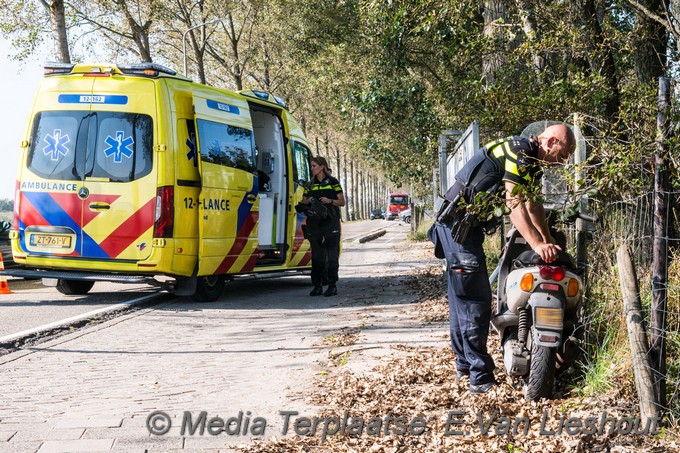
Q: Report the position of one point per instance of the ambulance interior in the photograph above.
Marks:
(269, 145)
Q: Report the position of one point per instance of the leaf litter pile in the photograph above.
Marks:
(413, 403)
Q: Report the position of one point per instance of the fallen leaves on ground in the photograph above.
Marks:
(413, 403)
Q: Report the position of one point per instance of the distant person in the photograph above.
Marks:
(507, 167)
(323, 232)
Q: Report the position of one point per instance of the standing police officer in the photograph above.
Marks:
(324, 234)
(508, 165)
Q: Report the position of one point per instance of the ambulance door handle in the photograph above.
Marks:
(99, 206)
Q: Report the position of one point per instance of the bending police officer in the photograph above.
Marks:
(324, 234)
(508, 165)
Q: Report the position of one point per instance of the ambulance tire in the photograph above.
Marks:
(209, 288)
(74, 287)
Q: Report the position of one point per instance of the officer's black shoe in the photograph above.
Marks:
(317, 291)
(482, 388)
(331, 291)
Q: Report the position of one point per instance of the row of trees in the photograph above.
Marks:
(379, 79)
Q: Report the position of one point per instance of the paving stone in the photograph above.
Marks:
(65, 434)
(148, 444)
(113, 422)
(5, 436)
(72, 446)
(20, 447)
(252, 351)
(28, 433)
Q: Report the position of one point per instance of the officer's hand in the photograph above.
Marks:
(325, 200)
(548, 252)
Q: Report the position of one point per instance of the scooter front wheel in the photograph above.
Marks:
(539, 383)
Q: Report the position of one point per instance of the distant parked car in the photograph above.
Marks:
(405, 215)
(5, 247)
(377, 214)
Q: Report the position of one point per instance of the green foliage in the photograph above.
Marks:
(420, 235)
(600, 368)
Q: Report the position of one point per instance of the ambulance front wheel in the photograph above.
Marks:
(74, 287)
(209, 288)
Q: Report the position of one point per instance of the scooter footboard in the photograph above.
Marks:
(547, 311)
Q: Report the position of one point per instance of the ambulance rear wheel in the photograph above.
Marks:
(74, 287)
(209, 288)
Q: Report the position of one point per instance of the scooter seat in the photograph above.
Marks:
(531, 258)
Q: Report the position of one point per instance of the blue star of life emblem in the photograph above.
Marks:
(118, 147)
(191, 143)
(56, 144)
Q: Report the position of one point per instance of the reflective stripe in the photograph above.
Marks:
(315, 187)
(506, 147)
(511, 167)
(498, 152)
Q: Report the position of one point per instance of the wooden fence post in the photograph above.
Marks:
(637, 336)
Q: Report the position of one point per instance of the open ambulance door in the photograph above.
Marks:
(227, 208)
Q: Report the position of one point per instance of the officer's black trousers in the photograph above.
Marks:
(325, 242)
(469, 294)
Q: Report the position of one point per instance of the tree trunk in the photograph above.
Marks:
(345, 189)
(237, 73)
(600, 57)
(353, 190)
(494, 11)
(650, 39)
(140, 32)
(530, 27)
(58, 23)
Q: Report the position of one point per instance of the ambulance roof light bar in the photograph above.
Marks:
(147, 69)
(57, 67)
(265, 97)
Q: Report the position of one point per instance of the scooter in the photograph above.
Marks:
(537, 310)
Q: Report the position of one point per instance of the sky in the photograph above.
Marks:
(19, 82)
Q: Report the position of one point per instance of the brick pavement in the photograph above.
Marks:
(257, 349)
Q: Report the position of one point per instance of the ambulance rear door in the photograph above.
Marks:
(227, 205)
(89, 186)
(119, 187)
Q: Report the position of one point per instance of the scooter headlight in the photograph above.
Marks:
(548, 317)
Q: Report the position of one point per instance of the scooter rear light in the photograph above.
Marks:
(572, 288)
(556, 273)
(527, 282)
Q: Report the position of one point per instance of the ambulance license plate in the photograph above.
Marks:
(50, 240)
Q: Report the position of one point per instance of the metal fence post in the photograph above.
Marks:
(660, 244)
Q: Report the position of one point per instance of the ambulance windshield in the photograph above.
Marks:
(75, 145)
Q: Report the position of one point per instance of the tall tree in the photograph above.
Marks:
(126, 23)
(27, 23)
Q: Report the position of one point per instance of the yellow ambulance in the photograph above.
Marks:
(132, 172)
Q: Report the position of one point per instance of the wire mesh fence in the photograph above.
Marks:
(630, 222)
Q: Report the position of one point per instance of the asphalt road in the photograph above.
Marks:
(32, 305)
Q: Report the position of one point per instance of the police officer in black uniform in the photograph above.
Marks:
(507, 165)
(324, 234)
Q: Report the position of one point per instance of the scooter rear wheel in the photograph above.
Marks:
(539, 383)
